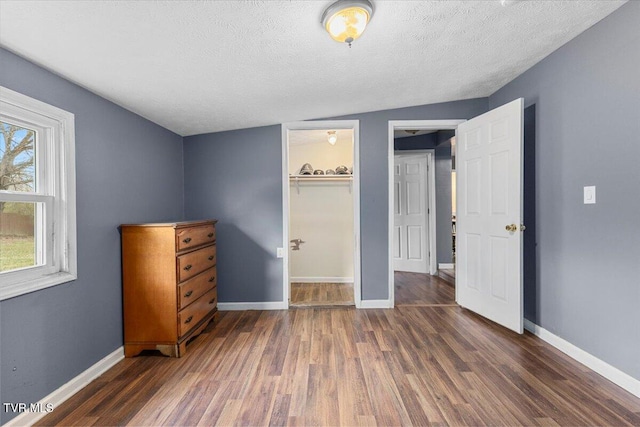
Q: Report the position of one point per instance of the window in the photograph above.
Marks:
(37, 195)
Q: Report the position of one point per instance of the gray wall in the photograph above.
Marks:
(236, 177)
(587, 97)
(529, 251)
(128, 170)
(418, 142)
(444, 244)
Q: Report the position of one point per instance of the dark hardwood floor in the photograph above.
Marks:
(418, 289)
(448, 275)
(340, 366)
(321, 294)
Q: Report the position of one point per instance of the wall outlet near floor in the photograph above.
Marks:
(280, 252)
(590, 195)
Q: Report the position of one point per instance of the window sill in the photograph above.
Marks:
(28, 286)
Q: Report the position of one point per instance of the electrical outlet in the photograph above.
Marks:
(280, 252)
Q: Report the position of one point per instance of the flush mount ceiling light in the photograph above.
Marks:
(345, 20)
(412, 131)
(332, 137)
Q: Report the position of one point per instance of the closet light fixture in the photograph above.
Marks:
(332, 137)
(345, 20)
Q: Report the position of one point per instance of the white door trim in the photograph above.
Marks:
(313, 125)
(430, 202)
(400, 125)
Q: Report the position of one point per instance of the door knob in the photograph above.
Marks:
(511, 227)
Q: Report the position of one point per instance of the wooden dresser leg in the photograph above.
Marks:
(132, 350)
(181, 348)
(170, 350)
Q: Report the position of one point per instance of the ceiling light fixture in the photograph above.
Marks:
(412, 131)
(332, 137)
(345, 20)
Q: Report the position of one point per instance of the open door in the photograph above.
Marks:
(489, 215)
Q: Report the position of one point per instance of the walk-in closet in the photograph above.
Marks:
(321, 219)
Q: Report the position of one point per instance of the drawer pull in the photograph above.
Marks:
(188, 294)
(210, 235)
(212, 301)
(187, 240)
(213, 279)
(211, 257)
(188, 267)
(189, 319)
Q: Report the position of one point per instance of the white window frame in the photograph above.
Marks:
(56, 192)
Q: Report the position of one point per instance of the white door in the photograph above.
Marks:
(489, 217)
(410, 237)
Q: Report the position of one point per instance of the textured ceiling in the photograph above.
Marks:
(205, 66)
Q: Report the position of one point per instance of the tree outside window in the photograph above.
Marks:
(17, 219)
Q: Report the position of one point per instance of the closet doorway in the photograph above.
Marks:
(321, 214)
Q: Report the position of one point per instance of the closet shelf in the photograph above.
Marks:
(320, 177)
(297, 179)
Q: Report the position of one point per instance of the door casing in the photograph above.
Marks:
(404, 125)
(353, 125)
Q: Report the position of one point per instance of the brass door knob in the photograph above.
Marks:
(511, 227)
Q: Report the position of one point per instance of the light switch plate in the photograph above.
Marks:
(280, 252)
(590, 195)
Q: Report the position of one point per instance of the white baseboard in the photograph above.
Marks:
(321, 279)
(376, 303)
(57, 397)
(611, 373)
(241, 306)
(445, 266)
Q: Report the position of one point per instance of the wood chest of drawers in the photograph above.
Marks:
(169, 284)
